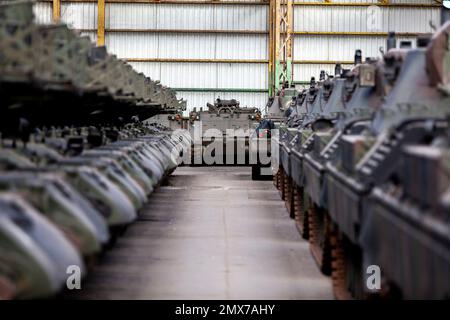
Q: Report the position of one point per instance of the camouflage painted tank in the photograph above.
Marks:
(230, 125)
(35, 254)
(409, 204)
(412, 112)
(72, 178)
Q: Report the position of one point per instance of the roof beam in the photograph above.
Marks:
(101, 22)
(256, 32)
(252, 61)
(263, 3)
(56, 11)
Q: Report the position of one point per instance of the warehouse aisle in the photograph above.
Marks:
(212, 233)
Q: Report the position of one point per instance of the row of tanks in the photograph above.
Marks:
(364, 166)
(71, 79)
(76, 162)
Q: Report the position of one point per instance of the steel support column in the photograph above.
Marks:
(101, 23)
(271, 65)
(56, 11)
(282, 26)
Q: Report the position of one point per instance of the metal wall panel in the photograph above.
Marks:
(304, 72)
(189, 75)
(43, 12)
(343, 49)
(347, 19)
(413, 19)
(212, 46)
(132, 45)
(130, 16)
(337, 48)
(351, 19)
(92, 35)
(243, 76)
(232, 46)
(311, 48)
(206, 75)
(191, 16)
(312, 18)
(212, 17)
(241, 17)
(150, 69)
(186, 16)
(357, 19)
(79, 15)
(187, 46)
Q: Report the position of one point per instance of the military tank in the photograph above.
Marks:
(368, 159)
(311, 104)
(72, 179)
(174, 121)
(35, 254)
(409, 204)
(221, 133)
(357, 171)
(265, 139)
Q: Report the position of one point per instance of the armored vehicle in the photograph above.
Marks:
(72, 179)
(264, 140)
(221, 133)
(360, 181)
(174, 121)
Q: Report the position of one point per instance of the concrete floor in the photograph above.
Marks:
(212, 233)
